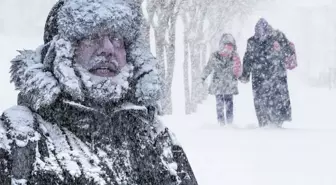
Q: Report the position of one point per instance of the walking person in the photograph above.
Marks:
(226, 68)
(268, 56)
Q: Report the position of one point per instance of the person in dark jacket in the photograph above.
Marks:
(268, 55)
(226, 68)
(86, 105)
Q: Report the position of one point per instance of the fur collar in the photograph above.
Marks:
(43, 79)
(32, 79)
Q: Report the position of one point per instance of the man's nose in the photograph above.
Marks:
(106, 47)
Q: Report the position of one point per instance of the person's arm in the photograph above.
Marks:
(291, 61)
(208, 68)
(289, 51)
(285, 44)
(237, 68)
(247, 62)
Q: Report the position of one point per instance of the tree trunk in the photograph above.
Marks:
(198, 72)
(204, 60)
(168, 106)
(187, 101)
(195, 75)
(147, 32)
(160, 52)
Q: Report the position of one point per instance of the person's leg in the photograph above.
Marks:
(261, 111)
(279, 124)
(277, 107)
(228, 99)
(220, 108)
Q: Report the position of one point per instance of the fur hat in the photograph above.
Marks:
(77, 19)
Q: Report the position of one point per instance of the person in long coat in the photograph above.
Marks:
(268, 56)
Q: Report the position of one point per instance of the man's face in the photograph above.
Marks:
(102, 56)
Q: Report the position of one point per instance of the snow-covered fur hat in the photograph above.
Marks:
(42, 75)
(77, 19)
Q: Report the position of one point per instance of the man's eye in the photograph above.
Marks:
(87, 42)
(117, 42)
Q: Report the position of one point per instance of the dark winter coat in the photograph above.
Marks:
(57, 135)
(69, 142)
(224, 79)
(265, 61)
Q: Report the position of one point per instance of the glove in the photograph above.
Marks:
(243, 80)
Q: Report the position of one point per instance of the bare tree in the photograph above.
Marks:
(198, 39)
(162, 16)
(193, 16)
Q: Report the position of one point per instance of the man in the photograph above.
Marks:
(267, 57)
(85, 106)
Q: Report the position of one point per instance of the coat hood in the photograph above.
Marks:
(263, 29)
(227, 39)
(47, 73)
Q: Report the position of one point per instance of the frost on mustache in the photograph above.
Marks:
(104, 89)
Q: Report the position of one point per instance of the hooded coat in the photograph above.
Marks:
(225, 70)
(265, 61)
(57, 135)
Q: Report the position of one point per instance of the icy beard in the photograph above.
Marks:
(105, 89)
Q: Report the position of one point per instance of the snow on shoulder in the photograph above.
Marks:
(21, 125)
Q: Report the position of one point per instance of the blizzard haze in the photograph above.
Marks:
(303, 153)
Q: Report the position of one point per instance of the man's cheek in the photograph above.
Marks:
(86, 56)
(121, 56)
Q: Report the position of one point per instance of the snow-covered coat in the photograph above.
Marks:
(225, 69)
(69, 143)
(265, 60)
(57, 135)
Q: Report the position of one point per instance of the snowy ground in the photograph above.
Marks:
(301, 154)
